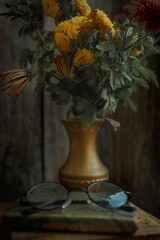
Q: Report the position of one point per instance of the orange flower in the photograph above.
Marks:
(50, 7)
(84, 24)
(65, 32)
(102, 22)
(83, 57)
(15, 77)
(82, 7)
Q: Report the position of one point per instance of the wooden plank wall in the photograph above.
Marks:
(20, 124)
(34, 144)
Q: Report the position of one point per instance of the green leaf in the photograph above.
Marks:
(87, 118)
(129, 31)
(136, 66)
(87, 110)
(111, 103)
(131, 104)
(92, 82)
(27, 56)
(105, 66)
(39, 52)
(65, 9)
(104, 46)
(152, 76)
(104, 94)
(116, 80)
(97, 54)
(133, 41)
(127, 76)
(141, 81)
(90, 73)
(112, 52)
(151, 49)
(157, 47)
(112, 81)
(57, 93)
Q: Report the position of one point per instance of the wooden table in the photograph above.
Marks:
(148, 229)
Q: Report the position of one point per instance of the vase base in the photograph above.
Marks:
(70, 183)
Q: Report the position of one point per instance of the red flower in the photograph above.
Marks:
(149, 11)
(129, 8)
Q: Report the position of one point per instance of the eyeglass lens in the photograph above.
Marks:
(47, 196)
(107, 194)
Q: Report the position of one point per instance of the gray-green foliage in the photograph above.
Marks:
(32, 14)
(93, 90)
(111, 80)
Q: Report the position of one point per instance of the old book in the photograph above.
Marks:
(79, 216)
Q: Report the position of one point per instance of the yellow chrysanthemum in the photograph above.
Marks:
(64, 33)
(83, 57)
(82, 7)
(101, 21)
(50, 7)
(84, 23)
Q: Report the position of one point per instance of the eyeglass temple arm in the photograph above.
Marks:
(128, 208)
(69, 200)
(33, 210)
(128, 194)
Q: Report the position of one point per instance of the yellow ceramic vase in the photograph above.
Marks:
(83, 165)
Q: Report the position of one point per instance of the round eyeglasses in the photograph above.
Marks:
(49, 196)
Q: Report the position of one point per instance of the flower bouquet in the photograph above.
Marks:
(87, 62)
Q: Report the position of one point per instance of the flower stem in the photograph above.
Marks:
(136, 42)
(40, 35)
(158, 38)
(133, 34)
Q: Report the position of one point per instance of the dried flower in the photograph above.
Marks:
(62, 68)
(64, 33)
(89, 46)
(83, 57)
(15, 77)
(149, 11)
(82, 7)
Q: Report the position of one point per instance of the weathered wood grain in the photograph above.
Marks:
(30, 133)
(132, 154)
(20, 124)
(56, 144)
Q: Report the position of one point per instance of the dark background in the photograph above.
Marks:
(34, 144)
